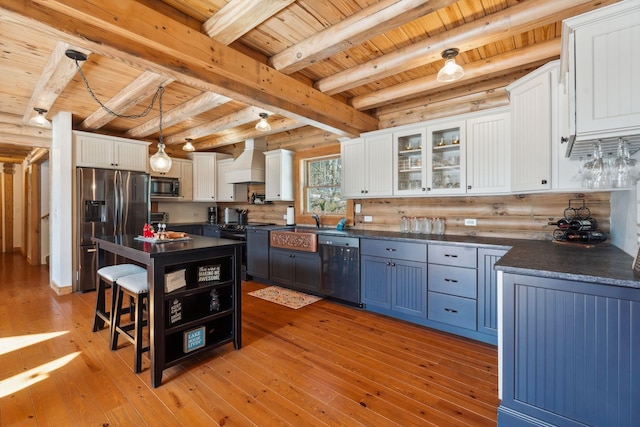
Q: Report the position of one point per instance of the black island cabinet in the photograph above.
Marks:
(194, 294)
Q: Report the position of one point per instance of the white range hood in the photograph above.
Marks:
(249, 166)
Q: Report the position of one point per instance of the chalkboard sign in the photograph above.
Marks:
(636, 264)
(208, 273)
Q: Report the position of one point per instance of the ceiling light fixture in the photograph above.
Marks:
(39, 119)
(451, 71)
(263, 125)
(188, 146)
(160, 162)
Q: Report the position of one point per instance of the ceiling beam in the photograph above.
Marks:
(517, 19)
(193, 107)
(282, 124)
(372, 21)
(238, 17)
(56, 74)
(496, 64)
(169, 48)
(144, 86)
(244, 116)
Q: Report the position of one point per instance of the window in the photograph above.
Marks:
(322, 188)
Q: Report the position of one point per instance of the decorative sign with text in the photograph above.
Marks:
(208, 273)
(175, 311)
(194, 339)
(174, 280)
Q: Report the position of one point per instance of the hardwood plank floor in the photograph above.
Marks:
(322, 365)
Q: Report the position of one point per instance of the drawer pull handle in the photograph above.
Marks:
(391, 249)
(451, 256)
(450, 310)
(451, 280)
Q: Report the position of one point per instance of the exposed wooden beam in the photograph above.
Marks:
(277, 125)
(26, 131)
(521, 17)
(496, 64)
(57, 73)
(247, 115)
(201, 103)
(238, 17)
(374, 20)
(169, 48)
(144, 86)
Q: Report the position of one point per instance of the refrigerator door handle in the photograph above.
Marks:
(116, 203)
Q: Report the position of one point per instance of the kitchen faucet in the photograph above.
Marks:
(317, 218)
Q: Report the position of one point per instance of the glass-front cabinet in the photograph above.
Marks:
(409, 157)
(446, 158)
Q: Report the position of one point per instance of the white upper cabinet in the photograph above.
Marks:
(205, 175)
(446, 159)
(103, 151)
(367, 166)
(601, 59)
(278, 175)
(488, 154)
(532, 119)
(409, 156)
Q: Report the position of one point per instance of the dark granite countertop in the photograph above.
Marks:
(605, 264)
(151, 250)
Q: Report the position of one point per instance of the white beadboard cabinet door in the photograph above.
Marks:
(353, 169)
(204, 177)
(488, 154)
(607, 66)
(379, 165)
(531, 131)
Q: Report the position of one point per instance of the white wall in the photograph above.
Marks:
(61, 205)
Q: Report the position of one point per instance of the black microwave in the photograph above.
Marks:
(165, 187)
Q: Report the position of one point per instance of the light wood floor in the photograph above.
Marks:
(322, 365)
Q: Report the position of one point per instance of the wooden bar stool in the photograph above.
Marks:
(107, 278)
(136, 287)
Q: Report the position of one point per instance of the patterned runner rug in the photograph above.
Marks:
(286, 297)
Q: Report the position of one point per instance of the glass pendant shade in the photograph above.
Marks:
(160, 162)
(263, 124)
(188, 146)
(450, 72)
(40, 119)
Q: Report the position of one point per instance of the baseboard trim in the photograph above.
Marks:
(60, 290)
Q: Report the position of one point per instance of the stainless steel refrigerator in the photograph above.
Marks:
(109, 202)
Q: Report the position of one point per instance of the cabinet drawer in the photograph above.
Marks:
(459, 256)
(392, 249)
(453, 280)
(456, 311)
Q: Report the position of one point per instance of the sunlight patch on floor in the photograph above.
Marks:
(32, 376)
(10, 344)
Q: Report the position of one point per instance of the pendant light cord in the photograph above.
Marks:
(123, 116)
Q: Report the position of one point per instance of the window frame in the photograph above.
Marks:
(299, 159)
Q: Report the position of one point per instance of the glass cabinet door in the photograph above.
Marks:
(446, 170)
(409, 160)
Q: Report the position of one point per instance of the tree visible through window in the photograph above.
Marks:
(323, 191)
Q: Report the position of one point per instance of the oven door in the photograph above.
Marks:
(233, 235)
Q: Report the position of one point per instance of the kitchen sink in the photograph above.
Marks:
(305, 240)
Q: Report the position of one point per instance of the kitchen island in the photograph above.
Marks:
(202, 309)
(570, 337)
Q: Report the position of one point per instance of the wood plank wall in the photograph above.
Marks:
(522, 216)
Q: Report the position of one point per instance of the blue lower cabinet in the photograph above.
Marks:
(452, 310)
(571, 353)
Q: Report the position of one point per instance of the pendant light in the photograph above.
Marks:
(40, 119)
(188, 146)
(451, 71)
(160, 162)
(263, 125)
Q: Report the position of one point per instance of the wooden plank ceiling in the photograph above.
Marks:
(332, 65)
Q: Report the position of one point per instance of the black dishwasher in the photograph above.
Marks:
(340, 277)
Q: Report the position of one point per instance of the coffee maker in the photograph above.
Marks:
(212, 214)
